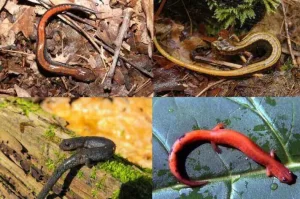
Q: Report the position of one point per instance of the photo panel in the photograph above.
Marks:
(226, 48)
(220, 147)
(76, 148)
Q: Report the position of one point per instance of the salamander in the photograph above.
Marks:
(79, 73)
(219, 135)
(90, 150)
(268, 40)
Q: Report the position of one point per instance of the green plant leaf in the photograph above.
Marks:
(273, 123)
(230, 15)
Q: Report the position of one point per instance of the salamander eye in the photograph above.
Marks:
(67, 143)
(290, 172)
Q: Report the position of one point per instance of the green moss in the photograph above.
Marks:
(93, 173)
(50, 134)
(94, 193)
(100, 184)
(52, 164)
(116, 194)
(4, 104)
(287, 65)
(136, 183)
(122, 169)
(71, 193)
(80, 174)
(26, 105)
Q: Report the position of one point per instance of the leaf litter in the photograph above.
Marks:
(21, 75)
(172, 27)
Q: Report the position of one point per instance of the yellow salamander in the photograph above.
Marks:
(267, 40)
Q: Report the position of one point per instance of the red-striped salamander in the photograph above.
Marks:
(90, 150)
(79, 73)
(219, 135)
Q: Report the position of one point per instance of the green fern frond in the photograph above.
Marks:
(239, 14)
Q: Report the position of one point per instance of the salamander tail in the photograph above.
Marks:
(193, 183)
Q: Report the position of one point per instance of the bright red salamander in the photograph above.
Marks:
(219, 135)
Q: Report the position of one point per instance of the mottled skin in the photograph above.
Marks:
(219, 135)
(90, 150)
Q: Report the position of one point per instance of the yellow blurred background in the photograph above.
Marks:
(126, 121)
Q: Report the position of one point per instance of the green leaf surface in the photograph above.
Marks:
(272, 123)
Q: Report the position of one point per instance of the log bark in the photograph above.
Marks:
(29, 153)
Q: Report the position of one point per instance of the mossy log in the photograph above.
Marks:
(29, 154)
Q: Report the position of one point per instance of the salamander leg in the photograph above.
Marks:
(89, 163)
(273, 153)
(269, 174)
(249, 56)
(220, 38)
(219, 126)
(215, 147)
(235, 38)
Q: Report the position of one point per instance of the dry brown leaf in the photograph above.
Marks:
(56, 2)
(61, 58)
(9, 39)
(5, 27)
(21, 92)
(34, 67)
(148, 9)
(92, 62)
(24, 22)
(132, 3)
(107, 12)
(40, 10)
(12, 7)
(2, 4)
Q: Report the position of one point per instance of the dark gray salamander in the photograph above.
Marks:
(91, 150)
(85, 142)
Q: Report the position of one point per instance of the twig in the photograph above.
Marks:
(131, 91)
(288, 35)
(161, 6)
(190, 19)
(8, 91)
(109, 49)
(210, 85)
(217, 62)
(146, 83)
(286, 51)
(18, 52)
(64, 82)
(123, 29)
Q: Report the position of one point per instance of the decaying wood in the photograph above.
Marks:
(25, 145)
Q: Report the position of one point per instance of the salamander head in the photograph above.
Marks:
(70, 144)
(283, 174)
(222, 45)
